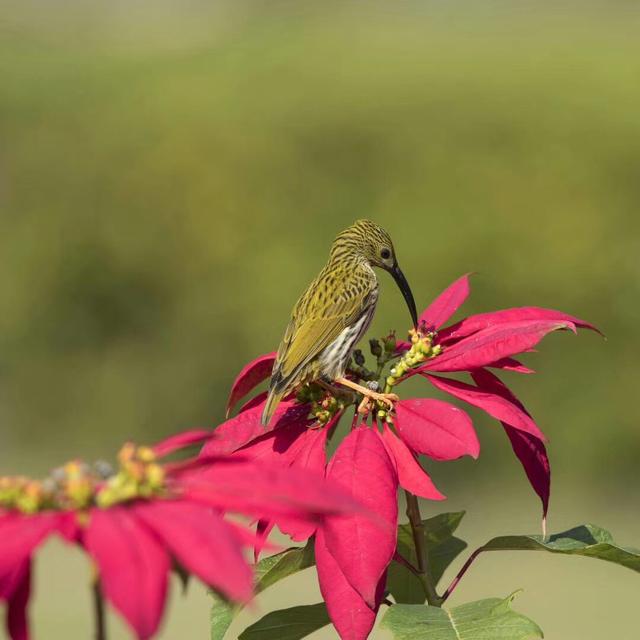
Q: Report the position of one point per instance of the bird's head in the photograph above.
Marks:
(367, 240)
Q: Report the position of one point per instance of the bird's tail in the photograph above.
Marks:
(273, 400)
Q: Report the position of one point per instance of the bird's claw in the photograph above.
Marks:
(374, 396)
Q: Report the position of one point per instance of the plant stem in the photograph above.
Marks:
(100, 623)
(400, 559)
(465, 566)
(417, 529)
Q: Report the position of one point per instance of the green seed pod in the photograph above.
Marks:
(390, 343)
(358, 357)
(376, 347)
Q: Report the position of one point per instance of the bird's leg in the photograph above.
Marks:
(336, 391)
(363, 407)
(369, 394)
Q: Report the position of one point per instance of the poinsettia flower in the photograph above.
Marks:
(371, 465)
(374, 461)
(473, 345)
(149, 516)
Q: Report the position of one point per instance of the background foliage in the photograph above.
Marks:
(172, 174)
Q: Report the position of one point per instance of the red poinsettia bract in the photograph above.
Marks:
(139, 522)
(372, 462)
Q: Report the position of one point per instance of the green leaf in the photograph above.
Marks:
(274, 568)
(222, 614)
(490, 619)
(441, 527)
(585, 540)
(403, 585)
(288, 624)
(267, 572)
(442, 548)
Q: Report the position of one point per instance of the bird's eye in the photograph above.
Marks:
(385, 254)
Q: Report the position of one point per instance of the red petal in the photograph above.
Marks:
(481, 321)
(267, 490)
(263, 529)
(180, 441)
(361, 547)
(68, 527)
(446, 304)
(10, 579)
(312, 454)
(254, 402)
(250, 376)
(133, 567)
(20, 535)
(248, 538)
(298, 530)
(350, 614)
(510, 364)
(495, 405)
(411, 475)
(529, 450)
(246, 426)
(17, 622)
(437, 429)
(300, 447)
(493, 343)
(533, 456)
(274, 446)
(202, 543)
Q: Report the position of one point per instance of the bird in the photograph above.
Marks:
(333, 314)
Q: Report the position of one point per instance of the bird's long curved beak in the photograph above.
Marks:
(403, 285)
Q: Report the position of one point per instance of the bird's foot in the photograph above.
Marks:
(372, 397)
(337, 392)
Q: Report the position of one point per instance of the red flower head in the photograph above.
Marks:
(372, 462)
(137, 523)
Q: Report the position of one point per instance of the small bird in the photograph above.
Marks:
(333, 314)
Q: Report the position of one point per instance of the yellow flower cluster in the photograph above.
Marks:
(21, 493)
(422, 348)
(139, 476)
(323, 405)
(76, 486)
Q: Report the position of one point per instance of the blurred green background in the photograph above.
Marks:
(173, 173)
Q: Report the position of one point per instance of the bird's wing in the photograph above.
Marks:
(313, 327)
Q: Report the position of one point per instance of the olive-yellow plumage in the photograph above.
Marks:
(334, 312)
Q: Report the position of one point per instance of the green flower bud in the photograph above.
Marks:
(155, 476)
(303, 394)
(376, 347)
(390, 343)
